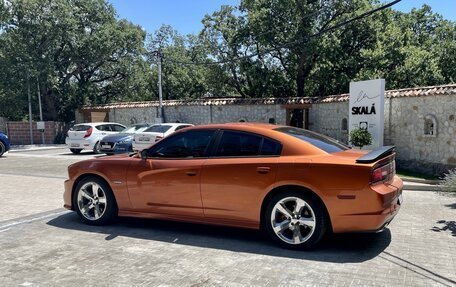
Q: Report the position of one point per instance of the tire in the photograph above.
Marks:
(291, 228)
(94, 201)
(75, 151)
(2, 148)
(96, 148)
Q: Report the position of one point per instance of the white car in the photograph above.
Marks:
(87, 136)
(155, 133)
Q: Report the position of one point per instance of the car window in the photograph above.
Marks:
(182, 127)
(80, 128)
(158, 129)
(322, 142)
(270, 147)
(104, 128)
(134, 129)
(238, 144)
(116, 128)
(191, 144)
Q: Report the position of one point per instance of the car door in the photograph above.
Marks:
(235, 178)
(168, 180)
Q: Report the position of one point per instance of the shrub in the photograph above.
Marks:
(449, 181)
(360, 137)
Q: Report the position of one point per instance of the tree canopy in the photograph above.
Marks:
(78, 52)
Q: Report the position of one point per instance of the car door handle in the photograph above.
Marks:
(263, 169)
(191, 173)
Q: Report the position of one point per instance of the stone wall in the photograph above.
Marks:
(326, 118)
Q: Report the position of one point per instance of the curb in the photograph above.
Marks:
(422, 187)
(419, 180)
(34, 148)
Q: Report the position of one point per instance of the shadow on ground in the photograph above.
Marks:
(337, 248)
(445, 226)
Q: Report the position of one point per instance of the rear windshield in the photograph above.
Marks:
(158, 129)
(134, 129)
(322, 142)
(80, 128)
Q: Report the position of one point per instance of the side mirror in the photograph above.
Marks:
(144, 153)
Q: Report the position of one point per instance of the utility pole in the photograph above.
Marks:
(30, 108)
(160, 94)
(41, 110)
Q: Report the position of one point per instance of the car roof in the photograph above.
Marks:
(172, 124)
(239, 126)
(98, 123)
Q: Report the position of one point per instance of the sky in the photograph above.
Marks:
(185, 15)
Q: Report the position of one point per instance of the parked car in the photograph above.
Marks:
(294, 183)
(155, 133)
(87, 136)
(4, 144)
(121, 142)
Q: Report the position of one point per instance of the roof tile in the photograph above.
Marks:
(409, 92)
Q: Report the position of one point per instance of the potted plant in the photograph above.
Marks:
(360, 137)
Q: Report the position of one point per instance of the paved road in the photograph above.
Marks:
(43, 245)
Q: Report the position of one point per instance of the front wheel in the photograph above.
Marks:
(295, 220)
(94, 201)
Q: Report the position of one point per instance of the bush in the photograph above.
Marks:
(449, 181)
(360, 137)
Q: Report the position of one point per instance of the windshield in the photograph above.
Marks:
(158, 129)
(322, 142)
(134, 129)
(79, 128)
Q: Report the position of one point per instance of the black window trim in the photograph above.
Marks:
(206, 156)
(219, 137)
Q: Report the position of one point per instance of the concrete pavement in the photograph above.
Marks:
(43, 245)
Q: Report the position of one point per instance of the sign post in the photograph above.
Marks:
(367, 101)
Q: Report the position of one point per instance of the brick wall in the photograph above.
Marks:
(19, 132)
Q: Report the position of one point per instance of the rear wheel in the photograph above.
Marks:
(2, 148)
(96, 148)
(75, 151)
(94, 201)
(295, 220)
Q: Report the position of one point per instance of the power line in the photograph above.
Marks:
(266, 51)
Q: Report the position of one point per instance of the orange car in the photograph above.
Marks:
(294, 183)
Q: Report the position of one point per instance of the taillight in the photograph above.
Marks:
(88, 133)
(158, 138)
(383, 173)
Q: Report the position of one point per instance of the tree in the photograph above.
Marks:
(77, 50)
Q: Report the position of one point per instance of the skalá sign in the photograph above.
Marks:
(367, 100)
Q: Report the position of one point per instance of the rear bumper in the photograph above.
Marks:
(378, 209)
(140, 146)
(79, 144)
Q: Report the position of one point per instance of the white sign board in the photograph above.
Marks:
(367, 104)
(40, 125)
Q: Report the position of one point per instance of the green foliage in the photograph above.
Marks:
(360, 137)
(76, 50)
(80, 53)
(449, 181)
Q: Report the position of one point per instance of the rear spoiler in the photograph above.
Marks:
(377, 154)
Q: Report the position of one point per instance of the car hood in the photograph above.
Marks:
(117, 137)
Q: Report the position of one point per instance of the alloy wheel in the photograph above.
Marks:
(92, 201)
(293, 220)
